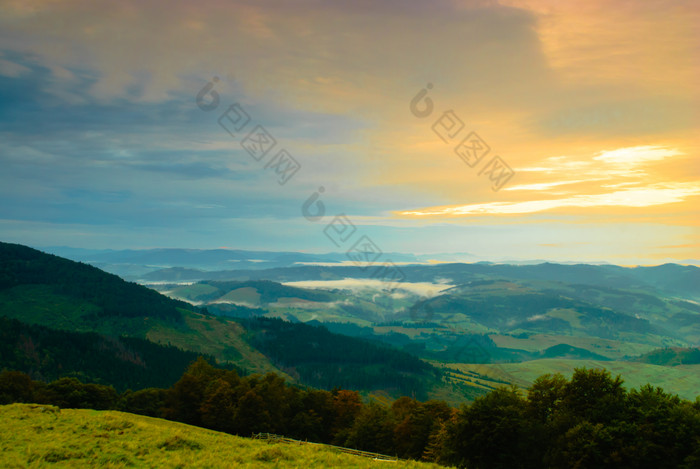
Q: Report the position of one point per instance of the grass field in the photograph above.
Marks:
(44, 436)
(196, 292)
(682, 380)
(247, 296)
(614, 349)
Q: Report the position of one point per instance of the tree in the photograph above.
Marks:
(307, 425)
(372, 430)
(346, 406)
(586, 445)
(15, 386)
(438, 449)
(218, 408)
(149, 401)
(545, 396)
(493, 432)
(594, 395)
(278, 401)
(319, 406)
(71, 393)
(666, 428)
(187, 395)
(415, 423)
(251, 415)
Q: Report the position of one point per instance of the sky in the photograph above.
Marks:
(513, 129)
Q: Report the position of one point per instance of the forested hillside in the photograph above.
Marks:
(123, 362)
(326, 360)
(24, 267)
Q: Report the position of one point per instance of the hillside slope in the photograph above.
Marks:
(24, 267)
(44, 436)
(43, 289)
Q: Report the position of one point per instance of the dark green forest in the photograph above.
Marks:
(588, 421)
(124, 362)
(322, 359)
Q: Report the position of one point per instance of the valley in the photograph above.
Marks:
(499, 323)
(523, 327)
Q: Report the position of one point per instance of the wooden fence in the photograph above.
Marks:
(272, 438)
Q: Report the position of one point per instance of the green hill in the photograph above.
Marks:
(672, 356)
(108, 295)
(270, 292)
(43, 289)
(564, 351)
(44, 436)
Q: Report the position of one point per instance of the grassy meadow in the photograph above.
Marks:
(45, 436)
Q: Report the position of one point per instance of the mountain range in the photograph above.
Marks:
(452, 330)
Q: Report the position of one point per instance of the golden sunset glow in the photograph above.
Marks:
(602, 170)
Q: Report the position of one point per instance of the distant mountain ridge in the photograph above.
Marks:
(135, 262)
(169, 265)
(669, 279)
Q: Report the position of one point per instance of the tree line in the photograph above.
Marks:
(588, 421)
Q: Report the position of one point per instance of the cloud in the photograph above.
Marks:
(636, 155)
(424, 289)
(628, 162)
(544, 185)
(658, 194)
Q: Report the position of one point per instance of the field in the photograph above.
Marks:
(44, 436)
(614, 349)
(682, 380)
